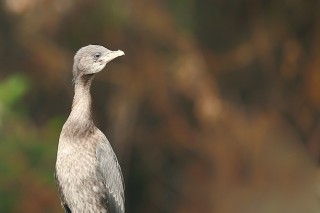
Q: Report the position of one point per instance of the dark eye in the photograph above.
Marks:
(97, 55)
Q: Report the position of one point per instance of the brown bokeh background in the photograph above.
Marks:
(214, 108)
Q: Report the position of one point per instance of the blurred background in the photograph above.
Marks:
(214, 108)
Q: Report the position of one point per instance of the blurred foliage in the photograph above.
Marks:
(214, 108)
(12, 89)
(27, 152)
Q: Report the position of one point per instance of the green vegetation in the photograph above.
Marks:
(27, 151)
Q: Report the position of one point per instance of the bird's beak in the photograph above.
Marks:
(112, 55)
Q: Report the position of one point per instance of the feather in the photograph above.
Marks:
(110, 174)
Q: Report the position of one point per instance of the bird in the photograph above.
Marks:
(87, 172)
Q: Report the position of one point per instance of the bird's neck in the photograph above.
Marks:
(81, 104)
(80, 120)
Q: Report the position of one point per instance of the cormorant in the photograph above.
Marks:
(87, 172)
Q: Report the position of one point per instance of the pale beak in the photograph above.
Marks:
(112, 55)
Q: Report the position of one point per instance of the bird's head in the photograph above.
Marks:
(92, 59)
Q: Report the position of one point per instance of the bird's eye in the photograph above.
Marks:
(97, 55)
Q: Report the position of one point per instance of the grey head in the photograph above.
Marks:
(92, 59)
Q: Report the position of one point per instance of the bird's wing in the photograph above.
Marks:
(110, 172)
(62, 199)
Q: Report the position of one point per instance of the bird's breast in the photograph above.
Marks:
(76, 171)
